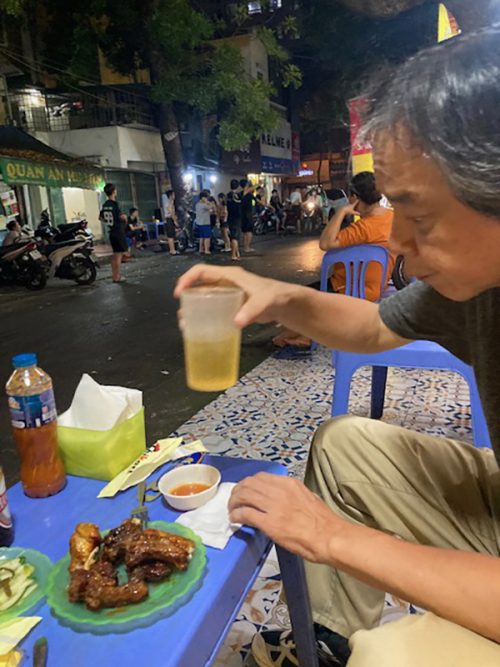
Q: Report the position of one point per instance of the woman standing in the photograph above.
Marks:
(170, 220)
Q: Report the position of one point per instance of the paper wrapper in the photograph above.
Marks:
(11, 633)
(160, 453)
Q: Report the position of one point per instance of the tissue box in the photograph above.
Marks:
(102, 454)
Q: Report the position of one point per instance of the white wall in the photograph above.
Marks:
(110, 146)
(141, 146)
(78, 201)
(93, 144)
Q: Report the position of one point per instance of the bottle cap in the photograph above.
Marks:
(24, 360)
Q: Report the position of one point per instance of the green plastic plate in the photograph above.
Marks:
(43, 566)
(164, 598)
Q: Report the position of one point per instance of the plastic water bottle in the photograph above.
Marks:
(34, 425)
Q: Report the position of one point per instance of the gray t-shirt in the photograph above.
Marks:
(468, 329)
(203, 211)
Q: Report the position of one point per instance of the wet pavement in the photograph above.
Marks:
(127, 334)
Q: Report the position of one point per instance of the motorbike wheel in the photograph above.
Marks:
(36, 278)
(398, 275)
(182, 243)
(85, 271)
(259, 228)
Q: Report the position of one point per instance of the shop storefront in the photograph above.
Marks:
(280, 155)
(34, 177)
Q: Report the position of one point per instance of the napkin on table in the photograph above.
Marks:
(11, 633)
(211, 521)
(99, 407)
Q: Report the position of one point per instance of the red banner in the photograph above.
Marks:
(357, 107)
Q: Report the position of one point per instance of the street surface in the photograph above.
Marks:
(127, 334)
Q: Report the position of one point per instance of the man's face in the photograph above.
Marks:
(446, 244)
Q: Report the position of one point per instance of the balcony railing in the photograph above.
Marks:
(37, 111)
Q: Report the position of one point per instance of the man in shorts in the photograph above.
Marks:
(117, 223)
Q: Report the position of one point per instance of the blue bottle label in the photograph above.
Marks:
(32, 411)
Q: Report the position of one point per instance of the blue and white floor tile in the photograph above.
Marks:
(273, 413)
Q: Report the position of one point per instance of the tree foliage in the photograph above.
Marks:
(183, 50)
(12, 7)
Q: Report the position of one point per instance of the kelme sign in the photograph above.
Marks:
(24, 172)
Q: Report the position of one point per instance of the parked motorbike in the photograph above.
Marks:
(71, 260)
(68, 231)
(23, 264)
(185, 234)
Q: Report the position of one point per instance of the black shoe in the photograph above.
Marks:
(276, 648)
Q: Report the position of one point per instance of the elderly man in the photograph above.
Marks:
(383, 508)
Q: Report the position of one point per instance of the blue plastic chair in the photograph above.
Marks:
(356, 260)
(418, 354)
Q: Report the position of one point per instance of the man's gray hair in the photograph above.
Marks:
(448, 97)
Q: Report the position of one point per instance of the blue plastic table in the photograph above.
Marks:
(192, 636)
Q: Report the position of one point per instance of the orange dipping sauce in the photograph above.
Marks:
(189, 489)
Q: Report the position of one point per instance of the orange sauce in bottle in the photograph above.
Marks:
(34, 427)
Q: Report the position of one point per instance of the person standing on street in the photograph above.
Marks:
(203, 213)
(222, 218)
(170, 215)
(247, 210)
(117, 223)
(234, 219)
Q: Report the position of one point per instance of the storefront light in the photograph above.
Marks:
(213, 179)
(188, 177)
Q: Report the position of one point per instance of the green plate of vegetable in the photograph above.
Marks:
(23, 580)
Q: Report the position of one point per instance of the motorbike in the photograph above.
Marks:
(23, 264)
(266, 221)
(185, 233)
(68, 231)
(312, 216)
(70, 260)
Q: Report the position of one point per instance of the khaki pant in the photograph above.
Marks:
(424, 489)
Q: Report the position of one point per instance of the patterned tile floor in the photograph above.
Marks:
(273, 412)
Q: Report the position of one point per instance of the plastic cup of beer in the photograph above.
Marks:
(212, 342)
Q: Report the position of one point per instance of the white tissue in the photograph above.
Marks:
(98, 407)
(211, 521)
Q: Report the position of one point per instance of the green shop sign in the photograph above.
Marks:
(59, 175)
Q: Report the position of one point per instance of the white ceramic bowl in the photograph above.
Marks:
(198, 473)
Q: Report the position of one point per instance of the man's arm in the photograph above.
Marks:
(340, 322)
(452, 584)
